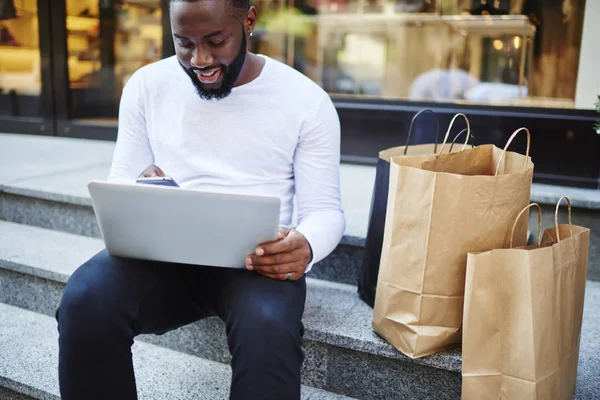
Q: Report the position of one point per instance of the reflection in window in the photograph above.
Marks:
(20, 69)
(355, 63)
(107, 42)
(514, 52)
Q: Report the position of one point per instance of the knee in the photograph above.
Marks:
(78, 313)
(78, 301)
(270, 320)
(84, 311)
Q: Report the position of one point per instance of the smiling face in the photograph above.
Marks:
(210, 42)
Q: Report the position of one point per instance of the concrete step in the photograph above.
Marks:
(343, 355)
(7, 394)
(29, 356)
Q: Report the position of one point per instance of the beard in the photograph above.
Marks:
(230, 75)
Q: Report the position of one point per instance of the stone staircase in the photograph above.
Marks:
(47, 229)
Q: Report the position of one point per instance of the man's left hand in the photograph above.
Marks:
(291, 253)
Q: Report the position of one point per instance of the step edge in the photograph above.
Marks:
(45, 195)
(447, 360)
(26, 389)
(584, 198)
(34, 272)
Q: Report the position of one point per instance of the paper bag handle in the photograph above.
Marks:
(450, 128)
(509, 142)
(556, 216)
(412, 123)
(456, 138)
(512, 234)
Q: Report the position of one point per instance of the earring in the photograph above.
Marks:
(251, 33)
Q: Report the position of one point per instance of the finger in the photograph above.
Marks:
(294, 276)
(147, 173)
(281, 235)
(152, 171)
(158, 171)
(275, 259)
(272, 276)
(284, 231)
(279, 268)
(287, 244)
(283, 277)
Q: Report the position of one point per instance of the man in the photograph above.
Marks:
(218, 118)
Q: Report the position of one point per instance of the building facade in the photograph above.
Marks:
(504, 63)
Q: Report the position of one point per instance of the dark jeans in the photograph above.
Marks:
(110, 300)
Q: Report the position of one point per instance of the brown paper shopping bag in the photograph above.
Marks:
(439, 209)
(369, 268)
(522, 318)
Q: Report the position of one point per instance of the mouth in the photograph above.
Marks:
(208, 76)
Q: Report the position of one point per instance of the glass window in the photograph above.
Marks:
(500, 52)
(20, 68)
(107, 42)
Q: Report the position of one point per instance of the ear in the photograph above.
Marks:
(250, 21)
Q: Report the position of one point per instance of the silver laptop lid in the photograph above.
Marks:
(182, 226)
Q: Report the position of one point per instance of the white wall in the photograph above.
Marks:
(588, 78)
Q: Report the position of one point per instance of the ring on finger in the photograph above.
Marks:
(288, 277)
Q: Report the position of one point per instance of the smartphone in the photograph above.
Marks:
(158, 180)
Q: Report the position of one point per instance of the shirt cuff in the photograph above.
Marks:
(323, 231)
(312, 251)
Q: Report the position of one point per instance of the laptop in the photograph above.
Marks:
(170, 224)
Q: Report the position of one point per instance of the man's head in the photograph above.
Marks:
(210, 42)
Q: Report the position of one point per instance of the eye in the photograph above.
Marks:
(219, 44)
(185, 45)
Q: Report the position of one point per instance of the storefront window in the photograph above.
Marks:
(108, 40)
(20, 68)
(499, 52)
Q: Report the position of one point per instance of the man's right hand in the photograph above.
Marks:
(151, 172)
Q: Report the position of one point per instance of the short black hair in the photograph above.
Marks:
(240, 6)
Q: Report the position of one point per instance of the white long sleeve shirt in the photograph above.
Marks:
(278, 135)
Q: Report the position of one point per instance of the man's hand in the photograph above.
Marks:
(151, 172)
(290, 253)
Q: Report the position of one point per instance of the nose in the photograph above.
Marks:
(202, 57)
